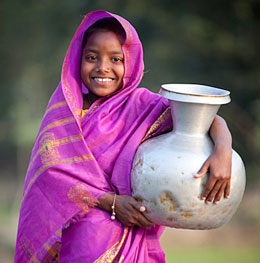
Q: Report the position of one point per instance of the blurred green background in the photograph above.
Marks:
(208, 42)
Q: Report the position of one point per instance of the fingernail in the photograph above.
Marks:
(207, 202)
(203, 197)
(227, 196)
(195, 175)
(142, 209)
(216, 202)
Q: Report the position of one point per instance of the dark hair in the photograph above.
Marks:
(109, 24)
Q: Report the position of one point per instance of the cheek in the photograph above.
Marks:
(84, 71)
(121, 72)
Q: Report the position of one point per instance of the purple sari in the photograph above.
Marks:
(76, 160)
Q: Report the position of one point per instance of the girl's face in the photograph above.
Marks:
(102, 64)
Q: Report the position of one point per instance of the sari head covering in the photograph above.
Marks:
(75, 160)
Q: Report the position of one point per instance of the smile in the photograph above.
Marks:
(103, 79)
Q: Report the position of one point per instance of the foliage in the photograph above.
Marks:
(213, 255)
(209, 42)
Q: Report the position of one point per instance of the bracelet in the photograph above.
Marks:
(113, 216)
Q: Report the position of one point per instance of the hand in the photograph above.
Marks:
(219, 166)
(129, 212)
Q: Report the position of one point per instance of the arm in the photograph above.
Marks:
(128, 210)
(218, 164)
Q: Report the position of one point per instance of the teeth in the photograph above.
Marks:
(102, 79)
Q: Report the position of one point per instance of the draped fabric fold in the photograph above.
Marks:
(75, 160)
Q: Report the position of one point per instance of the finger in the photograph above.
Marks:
(203, 170)
(137, 217)
(220, 193)
(134, 220)
(141, 219)
(227, 189)
(137, 205)
(144, 222)
(209, 186)
(213, 192)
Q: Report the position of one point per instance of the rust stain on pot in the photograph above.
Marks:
(153, 202)
(147, 181)
(187, 214)
(152, 168)
(166, 198)
(203, 212)
(224, 211)
(171, 219)
(140, 162)
(182, 173)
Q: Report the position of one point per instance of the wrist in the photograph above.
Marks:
(105, 202)
(223, 148)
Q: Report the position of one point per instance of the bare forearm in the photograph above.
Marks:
(218, 164)
(220, 133)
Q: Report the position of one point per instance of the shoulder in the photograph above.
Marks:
(147, 97)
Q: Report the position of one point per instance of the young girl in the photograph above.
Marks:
(79, 172)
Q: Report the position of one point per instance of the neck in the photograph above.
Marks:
(89, 99)
(92, 97)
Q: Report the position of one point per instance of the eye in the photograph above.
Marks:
(91, 57)
(117, 59)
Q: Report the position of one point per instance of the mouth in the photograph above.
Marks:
(102, 80)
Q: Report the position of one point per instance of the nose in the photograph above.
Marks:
(103, 66)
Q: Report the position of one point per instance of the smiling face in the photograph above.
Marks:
(102, 64)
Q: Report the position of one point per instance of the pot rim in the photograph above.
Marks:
(195, 93)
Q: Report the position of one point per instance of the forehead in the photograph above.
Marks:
(103, 40)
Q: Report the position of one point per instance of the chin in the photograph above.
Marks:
(105, 93)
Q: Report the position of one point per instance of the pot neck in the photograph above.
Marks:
(192, 119)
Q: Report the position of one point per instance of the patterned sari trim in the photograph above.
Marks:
(110, 255)
(66, 86)
(121, 260)
(48, 143)
(34, 260)
(158, 123)
(57, 123)
(68, 91)
(53, 253)
(27, 246)
(55, 106)
(58, 232)
(91, 110)
(76, 159)
(81, 197)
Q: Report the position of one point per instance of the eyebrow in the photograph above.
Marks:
(115, 52)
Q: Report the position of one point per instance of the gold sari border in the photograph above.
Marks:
(55, 143)
(55, 106)
(110, 255)
(76, 159)
(158, 123)
(57, 123)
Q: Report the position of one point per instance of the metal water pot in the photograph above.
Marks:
(163, 169)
